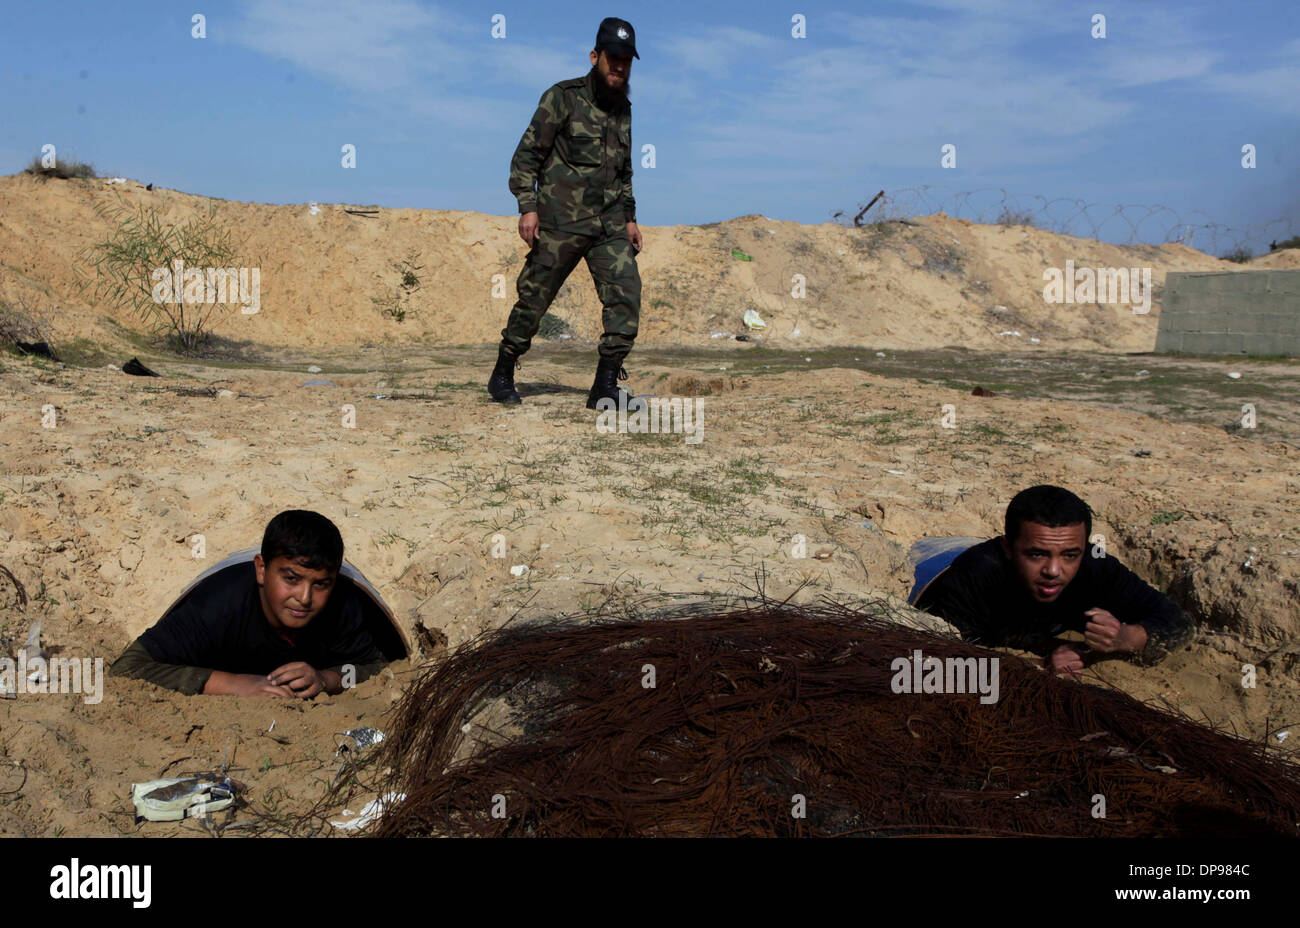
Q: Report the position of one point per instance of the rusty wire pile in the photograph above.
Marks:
(757, 706)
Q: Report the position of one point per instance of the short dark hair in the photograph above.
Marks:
(1046, 505)
(305, 536)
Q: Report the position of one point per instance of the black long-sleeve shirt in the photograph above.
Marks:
(220, 625)
(982, 596)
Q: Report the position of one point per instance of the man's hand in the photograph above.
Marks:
(528, 228)
(304, 680)
(1106, 633)
(221, 683)
(634, 236)
(1065, 659)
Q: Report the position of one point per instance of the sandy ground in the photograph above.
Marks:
(97, 514)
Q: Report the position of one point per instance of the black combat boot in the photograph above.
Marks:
(502, 382)
(608, 372)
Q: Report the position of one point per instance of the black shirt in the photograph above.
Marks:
(220, 625)
(983, 597)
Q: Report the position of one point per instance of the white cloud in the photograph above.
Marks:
(376, 46)
(1154, 69)
(715, 51)
(414, 50)
(1271, 88)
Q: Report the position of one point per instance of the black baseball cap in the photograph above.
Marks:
(616, 36)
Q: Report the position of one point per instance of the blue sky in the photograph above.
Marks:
(744, 117)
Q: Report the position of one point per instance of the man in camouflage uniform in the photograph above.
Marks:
(577, 153)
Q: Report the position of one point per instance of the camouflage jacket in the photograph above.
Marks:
(579, 159)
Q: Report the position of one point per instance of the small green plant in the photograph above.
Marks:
(408, 281)
(128, 263)
(1167, 516)
(552, 326)
(1239, 255)
(1292, 242)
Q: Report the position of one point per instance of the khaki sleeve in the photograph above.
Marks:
(137, 662)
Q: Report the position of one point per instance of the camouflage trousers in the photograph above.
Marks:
(612, 262)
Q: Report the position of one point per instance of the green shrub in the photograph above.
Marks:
(61, 169)
(142, 242)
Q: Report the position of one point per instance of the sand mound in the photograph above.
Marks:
(332, 277)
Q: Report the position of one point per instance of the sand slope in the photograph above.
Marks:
(941, 282)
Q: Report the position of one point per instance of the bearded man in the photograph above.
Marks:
(572, 177)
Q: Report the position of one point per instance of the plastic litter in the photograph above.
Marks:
(313, 369)
(754, 320)
(518, 570)
(319, 383)
(737, 253)
(369, 812)
(358, 739)
(172, 799)
(32, 650)
(1235, 376)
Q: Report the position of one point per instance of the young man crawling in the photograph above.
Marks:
(285, 624)
(1041, 578)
